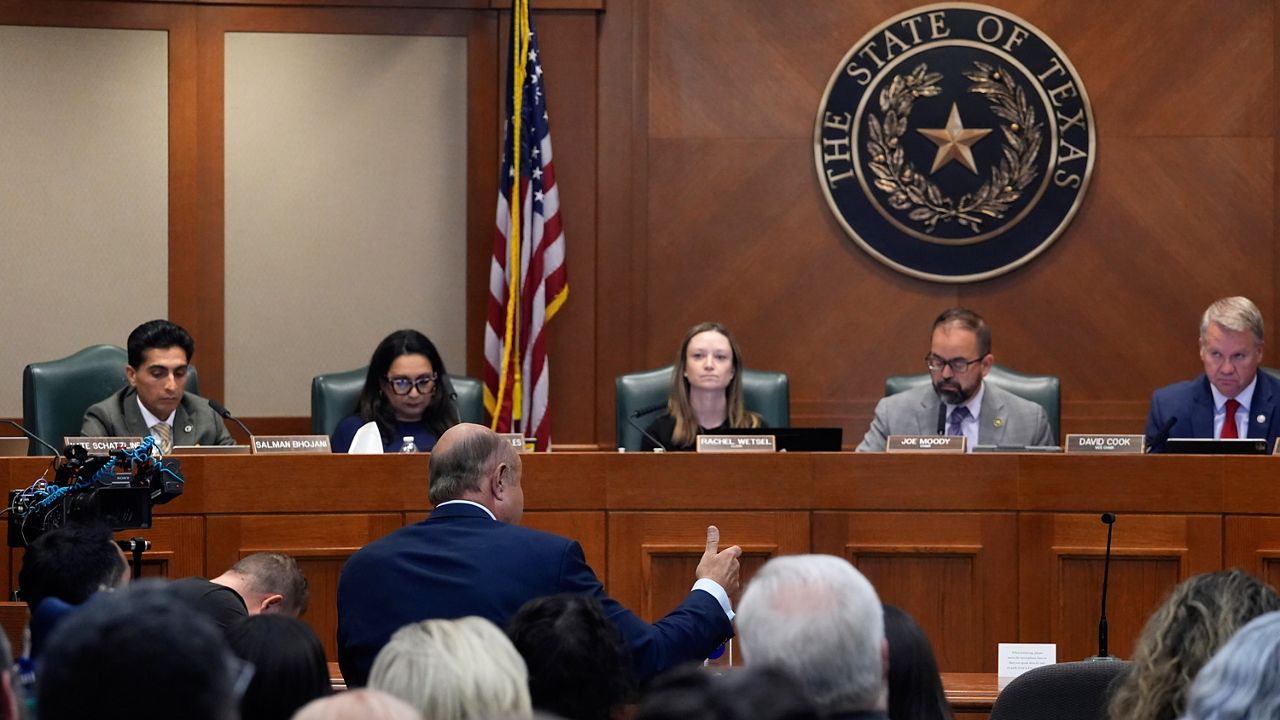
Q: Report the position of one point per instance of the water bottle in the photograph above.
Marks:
(408, 446)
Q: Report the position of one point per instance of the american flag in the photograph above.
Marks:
(528, 252)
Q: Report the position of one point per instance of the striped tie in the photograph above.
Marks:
(164, 436)
(958, 417)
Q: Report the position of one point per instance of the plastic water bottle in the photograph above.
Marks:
(408, 446)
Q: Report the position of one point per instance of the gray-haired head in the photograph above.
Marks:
(1237, 314)
(1242, 681)
(462, 458)
(818, 618)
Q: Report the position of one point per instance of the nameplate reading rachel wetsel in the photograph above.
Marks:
(1113, 444)
(736, 443)
(103, 445)
(290, 443)
(925, 443)
(516, 439)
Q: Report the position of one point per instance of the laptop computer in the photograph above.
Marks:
(1209, 446)
(798, 439)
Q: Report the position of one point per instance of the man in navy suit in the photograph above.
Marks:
(470, 557)
(1231, 399)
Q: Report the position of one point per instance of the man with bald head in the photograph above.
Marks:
(471, 557)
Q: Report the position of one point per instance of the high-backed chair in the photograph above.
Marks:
(56, 393)
(1043, 390)
(767, 393)
(1065, 691)
(334, 396)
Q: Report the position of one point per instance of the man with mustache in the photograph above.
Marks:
(958, 360)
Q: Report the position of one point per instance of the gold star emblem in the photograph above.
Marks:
(954, 142)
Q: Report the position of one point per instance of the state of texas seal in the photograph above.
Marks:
(954, 142)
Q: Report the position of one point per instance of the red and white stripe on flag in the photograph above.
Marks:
(528, 252)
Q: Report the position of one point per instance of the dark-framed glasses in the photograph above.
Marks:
(402, 385)
(958, 365)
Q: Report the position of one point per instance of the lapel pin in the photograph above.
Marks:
(998, 422)
(1262, 418)
(188, 428)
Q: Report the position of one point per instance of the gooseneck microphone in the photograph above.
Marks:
(1109, 519)
(942, 418)
(35, 437)
(224, 412)
(643, 431)
(1161, 435)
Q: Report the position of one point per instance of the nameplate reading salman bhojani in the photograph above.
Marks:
(954, 142)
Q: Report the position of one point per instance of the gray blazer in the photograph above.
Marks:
(194, 423)
(1006, 419)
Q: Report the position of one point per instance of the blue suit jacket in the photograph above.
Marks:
(1190, 403)
(461, 562)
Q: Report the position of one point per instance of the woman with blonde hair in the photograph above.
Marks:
(706, 390)
(1197, 618)
(460, 669)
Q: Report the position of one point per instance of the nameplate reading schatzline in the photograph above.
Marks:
(517, 441)
(736, 443)
(104, 445)
(1113, 444)
(954, 142)
(925, 443)
(290, 444)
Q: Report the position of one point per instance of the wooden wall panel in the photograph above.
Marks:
(652, 556)
(1253, 545)
(955, 573)
(320, 543)
(1060, 579)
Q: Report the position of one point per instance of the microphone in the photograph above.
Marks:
(1161, 435)
(224, 412)
(1109, 519)
(942, 419)
(643, 431)
(33, 436)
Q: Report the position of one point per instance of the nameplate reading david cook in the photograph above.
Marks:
(925, 443)
(103, 445)
(290, 443)
(1113, 444)
(736, 443)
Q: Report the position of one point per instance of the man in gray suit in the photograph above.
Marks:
(156, 402)
(958, 402)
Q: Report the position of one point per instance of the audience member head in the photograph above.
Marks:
(915, 688)
(159, 357)
(1242, 681)
(138, 654)
(11, 695)
(579, 667)
(289, 665)
(269, 582)
(1231, 335)
(407, 382)
(359, 704)
(749, 693)
(1197, 618)
(818, 618)
(709, 361)
(470, 462)
(71, 563)
(959, 354)
(454, 670)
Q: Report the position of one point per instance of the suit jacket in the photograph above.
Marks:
(1005, 418)
(1190, 405)
(461, 562)
(195, 423)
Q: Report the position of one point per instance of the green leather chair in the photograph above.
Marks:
(334, 396)
(56, 393)
(1043, 390)
(767, 393)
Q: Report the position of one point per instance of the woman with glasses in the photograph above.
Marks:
(706, 390)
(406, 393)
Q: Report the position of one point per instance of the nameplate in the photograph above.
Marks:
(925, 443)
(211, 450)
(1013, 659)
(1114, 444)
(518, 441)
(290, 444)
(736, 443)
(103, 445)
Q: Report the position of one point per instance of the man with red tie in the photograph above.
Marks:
(1231, 399)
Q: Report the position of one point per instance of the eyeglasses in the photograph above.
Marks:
(957, 365)
(402, 385)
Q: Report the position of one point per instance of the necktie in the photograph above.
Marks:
(956, 420)
(164, 436)
(1229, 430)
